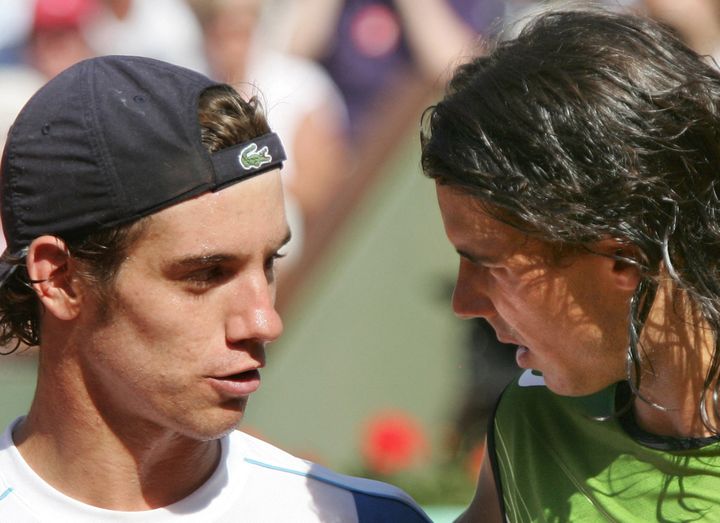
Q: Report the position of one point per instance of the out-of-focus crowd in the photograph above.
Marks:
(330, 73)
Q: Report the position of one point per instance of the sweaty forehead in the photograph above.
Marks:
(246, 215)
(473, 225)
(464, 213)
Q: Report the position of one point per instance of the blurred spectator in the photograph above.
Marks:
(696, 21)
(57, 40)
(370, 45)
(162, 29)
(51, 35)
(302, 104)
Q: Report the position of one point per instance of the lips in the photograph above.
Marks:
(238, 375)
(238, 384)
(522, 355)
(505, 335)
(507, 340)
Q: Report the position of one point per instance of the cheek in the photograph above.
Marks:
(515, 297)
(537, 308)
(155, 320)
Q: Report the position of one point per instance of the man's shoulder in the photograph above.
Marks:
(374, 500)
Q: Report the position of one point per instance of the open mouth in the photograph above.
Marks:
(239, 384)
(241, 376)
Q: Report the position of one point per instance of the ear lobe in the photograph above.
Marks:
(50, 269)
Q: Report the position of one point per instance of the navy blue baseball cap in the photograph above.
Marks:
(108, 141)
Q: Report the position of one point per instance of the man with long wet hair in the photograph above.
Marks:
(577, 170)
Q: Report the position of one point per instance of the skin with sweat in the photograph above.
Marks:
(167, 366)
(570, 319)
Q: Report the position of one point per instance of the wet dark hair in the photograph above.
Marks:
(591, 125)
(225, 119)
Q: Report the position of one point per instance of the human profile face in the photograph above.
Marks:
(229, 37)
(569, 318)
(192, 308)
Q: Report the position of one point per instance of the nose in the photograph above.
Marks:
(253, 315)
(470, 298)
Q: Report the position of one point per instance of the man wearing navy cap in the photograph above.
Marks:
(143, 211)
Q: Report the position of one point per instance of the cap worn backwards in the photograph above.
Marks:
(109, 140)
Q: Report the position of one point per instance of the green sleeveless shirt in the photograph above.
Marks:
(554, 462)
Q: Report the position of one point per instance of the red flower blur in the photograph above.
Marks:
(393, 441)
(475, 460)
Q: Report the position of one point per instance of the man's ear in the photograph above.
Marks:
(51, 272)
(623, 258)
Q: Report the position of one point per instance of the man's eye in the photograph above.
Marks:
(205, 277)
(270, 263)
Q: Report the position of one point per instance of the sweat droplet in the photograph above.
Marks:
(260, 319)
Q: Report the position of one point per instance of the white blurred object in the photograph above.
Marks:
(15, 21)
(303, 106)
(292, 89)
(162, 29)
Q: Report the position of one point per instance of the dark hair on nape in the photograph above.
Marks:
(591, 125)
(226, 119)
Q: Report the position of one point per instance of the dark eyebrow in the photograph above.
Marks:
(214, 259)
(199, 261)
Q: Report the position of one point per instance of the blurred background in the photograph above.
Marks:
(374, 375)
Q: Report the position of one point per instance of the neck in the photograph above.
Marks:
(112, 466)
(676, 350)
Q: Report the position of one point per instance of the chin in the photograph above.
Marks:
(215, 425)
(212, 432)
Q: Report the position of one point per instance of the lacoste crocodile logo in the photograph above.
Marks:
(251, 158)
